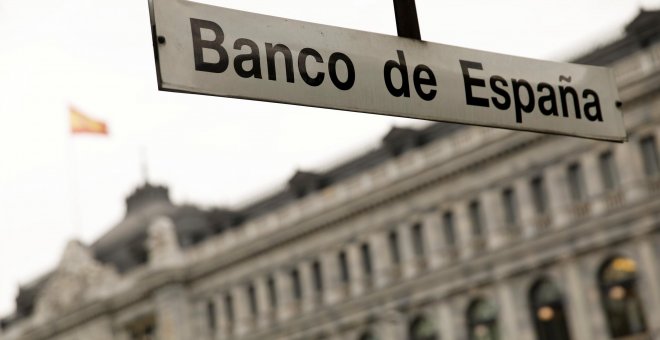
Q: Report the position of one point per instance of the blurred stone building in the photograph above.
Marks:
(443, 232)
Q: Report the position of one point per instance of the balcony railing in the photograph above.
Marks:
(580, 210)
(614, 199)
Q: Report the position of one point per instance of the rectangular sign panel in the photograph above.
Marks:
(216, 51)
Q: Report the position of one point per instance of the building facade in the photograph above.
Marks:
(443, 232)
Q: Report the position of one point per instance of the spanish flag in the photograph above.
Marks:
(80, 123)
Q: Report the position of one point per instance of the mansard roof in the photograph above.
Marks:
(641, 32)
(305, 182)
(124, 244)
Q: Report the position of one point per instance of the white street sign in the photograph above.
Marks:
(216, 51)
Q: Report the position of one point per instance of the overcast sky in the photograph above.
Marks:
(209, 151)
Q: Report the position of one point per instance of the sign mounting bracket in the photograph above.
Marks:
(407, 24)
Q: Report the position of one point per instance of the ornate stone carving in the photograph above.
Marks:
(162, 243)
(78, 278)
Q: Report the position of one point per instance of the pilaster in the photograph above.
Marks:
(445, 320)
(575, 302)
(464, 236)
(408, 260)
(265, 309)
(507, 311)
(307, 286)
(334, 289)
(382, 259)
(526, 212)
(432, 230)
(558, 195)
(284, 294)
(632, 172)
(649, 283)
(172, 313)
(392, 326)
(593, 182)
(495, 231)
(355, 268)
(241, 310)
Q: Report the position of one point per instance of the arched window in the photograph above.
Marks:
(547, 309)
(618, 290)
(367, 336)
(482, 320)
(420, 328)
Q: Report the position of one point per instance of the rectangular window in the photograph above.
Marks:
(344, 274)
(366, 259)
(448, 228)
(295, 285)
(393, 239)
(576, 183)
(475, 218)
(317, 276)
(229, 308)
(539, 195)
(650, 155)
(418, 240)
(608, 171)
(211, 315)
(510, 206)
(252, 300)
(272, 291)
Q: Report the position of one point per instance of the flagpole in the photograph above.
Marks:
(74, 200)
(144, 167)
(79, 123)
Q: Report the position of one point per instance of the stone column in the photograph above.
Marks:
(223, 330)
(521, 303)
(200, 327)
(445, 321)
(596, 314)
(631, 169)
(507, 311)
(488, 217)
(592, 175)
(307, 286)
(649, 285)
(558, 195)
(264, 307)
(172, 313)
(242, 313)
(392, 326)
(432, 229)
(464, 236)
(330, 268)
(594, 182)
(526, 210)
(576, 302)
(495, 231)
(284, 294)
(408, 258)
(355, 268)
(382, 259)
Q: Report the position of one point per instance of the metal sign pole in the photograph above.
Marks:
(407, 24)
